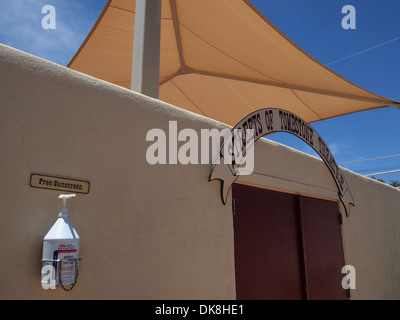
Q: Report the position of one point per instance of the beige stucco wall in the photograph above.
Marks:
(147, 232)
(371, 237)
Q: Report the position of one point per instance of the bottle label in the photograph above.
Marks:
(65, 269)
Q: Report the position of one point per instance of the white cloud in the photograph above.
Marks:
(21, 26)
(335, 148)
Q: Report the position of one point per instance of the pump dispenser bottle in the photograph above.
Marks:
(61, 250)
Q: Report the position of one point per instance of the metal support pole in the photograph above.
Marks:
(146, 48)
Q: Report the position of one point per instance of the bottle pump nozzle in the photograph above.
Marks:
(64, 197)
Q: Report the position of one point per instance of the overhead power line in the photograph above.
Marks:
(394, 155)
(380, 169)
(381, 173)
(357, 53)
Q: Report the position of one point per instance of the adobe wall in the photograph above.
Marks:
(148, 231)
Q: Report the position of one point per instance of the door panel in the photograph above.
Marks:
(266, 245)
(286, 246)
(322, 243)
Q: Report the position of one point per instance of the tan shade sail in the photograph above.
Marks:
(222, 59)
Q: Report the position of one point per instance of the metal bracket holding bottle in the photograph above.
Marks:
(59, 264)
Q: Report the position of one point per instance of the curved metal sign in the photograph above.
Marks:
(238, 146)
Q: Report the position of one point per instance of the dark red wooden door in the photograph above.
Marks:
(267, 253)
(287, 247)
(323, 249)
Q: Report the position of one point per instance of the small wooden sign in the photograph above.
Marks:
(59, 184)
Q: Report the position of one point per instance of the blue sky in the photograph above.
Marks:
(314, 25)
(21, 26)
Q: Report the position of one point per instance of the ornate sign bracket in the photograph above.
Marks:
(263, 122)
